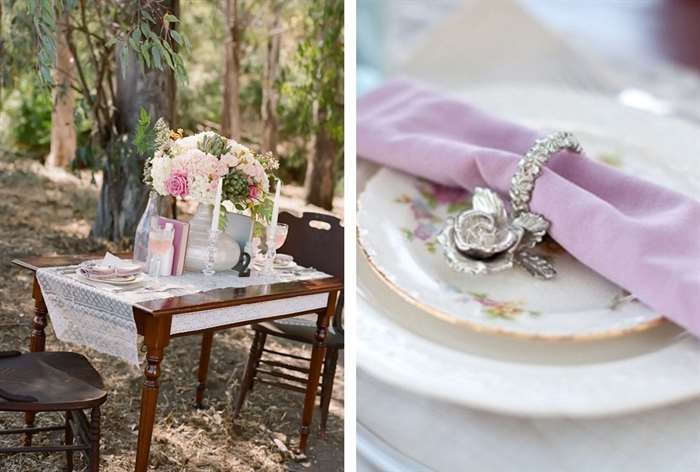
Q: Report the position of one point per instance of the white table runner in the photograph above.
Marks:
(102, 317)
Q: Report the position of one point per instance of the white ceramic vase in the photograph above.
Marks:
(227, 250)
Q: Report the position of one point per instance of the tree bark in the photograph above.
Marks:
(123, 196)
(269, 94)
(231, 112)
(64, 140)
(320, 170)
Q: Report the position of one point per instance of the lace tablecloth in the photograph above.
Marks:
(101, 317)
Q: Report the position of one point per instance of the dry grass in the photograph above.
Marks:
(50, 213)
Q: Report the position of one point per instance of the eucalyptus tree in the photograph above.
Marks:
(127, 56)
(319, 97)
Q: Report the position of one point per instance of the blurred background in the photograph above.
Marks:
(645, 51)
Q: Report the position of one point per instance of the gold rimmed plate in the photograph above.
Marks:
(400, 215)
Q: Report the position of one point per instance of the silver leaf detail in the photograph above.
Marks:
(535, 225)
(536, 265)
(488, 201)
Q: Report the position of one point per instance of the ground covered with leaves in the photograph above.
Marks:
(50, 212)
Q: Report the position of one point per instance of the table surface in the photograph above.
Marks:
(153, 320)
(207, 300)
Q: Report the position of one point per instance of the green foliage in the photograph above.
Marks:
(320, 60)
(145, 136)
(31, 120)
(154, 49)
(311, 62)
(311, 88)
(147, 139)
(200, 102)
(144, 28)
(17, 46)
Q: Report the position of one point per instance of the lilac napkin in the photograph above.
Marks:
(641, 236)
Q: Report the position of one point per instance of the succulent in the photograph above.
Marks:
(213, 144)
(235, 186)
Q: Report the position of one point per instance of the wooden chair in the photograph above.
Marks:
(311, 246)
(314, 240)
(54, 381)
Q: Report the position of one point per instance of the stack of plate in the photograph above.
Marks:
(575, 347)
(98, 270)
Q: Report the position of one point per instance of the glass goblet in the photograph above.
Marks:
(281, 234)
(159, 242)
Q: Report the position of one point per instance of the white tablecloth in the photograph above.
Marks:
(102, 318)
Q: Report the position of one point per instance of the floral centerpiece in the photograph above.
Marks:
(190, 167)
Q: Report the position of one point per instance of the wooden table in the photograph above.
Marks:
(153, 321)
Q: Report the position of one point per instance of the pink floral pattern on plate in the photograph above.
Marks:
(429, 208)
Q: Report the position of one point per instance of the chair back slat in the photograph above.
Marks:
(311, 245)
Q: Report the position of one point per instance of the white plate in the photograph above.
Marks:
(399, 344)
(134, 279)
(399, 217)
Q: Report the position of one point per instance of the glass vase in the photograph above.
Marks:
(142, 230)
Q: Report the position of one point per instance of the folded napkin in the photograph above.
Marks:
(641, 236)
(111, 266)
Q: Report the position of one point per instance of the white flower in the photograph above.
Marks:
(228, 204)
(237, 148)
(201, 189)
(190, 142)
(230, 160)
(255, 170)
(160, 171)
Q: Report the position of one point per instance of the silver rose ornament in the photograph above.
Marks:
(485, 239)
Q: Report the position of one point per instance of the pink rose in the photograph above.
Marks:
(176, 185)
(253, 192)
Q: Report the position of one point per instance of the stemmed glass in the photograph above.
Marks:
(280, 234)
(159, 242)
(273, 242)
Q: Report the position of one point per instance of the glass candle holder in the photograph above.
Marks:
(211, 253)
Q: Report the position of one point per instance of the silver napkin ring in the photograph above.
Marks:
(486, 238)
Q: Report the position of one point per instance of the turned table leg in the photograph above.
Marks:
(94, 435)
(37, 343)
(156, 338)
(203, 372)
(317, 354)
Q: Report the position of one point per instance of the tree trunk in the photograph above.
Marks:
(320, 170)
(64, 140)
(269, 94)
(231, 112)
(123, 196)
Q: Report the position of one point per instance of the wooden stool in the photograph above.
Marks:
(54, 381)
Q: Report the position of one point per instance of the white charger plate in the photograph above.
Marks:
(399, 344)
(400, 215)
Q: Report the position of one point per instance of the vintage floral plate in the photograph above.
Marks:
(400, 216)
(401, 346)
